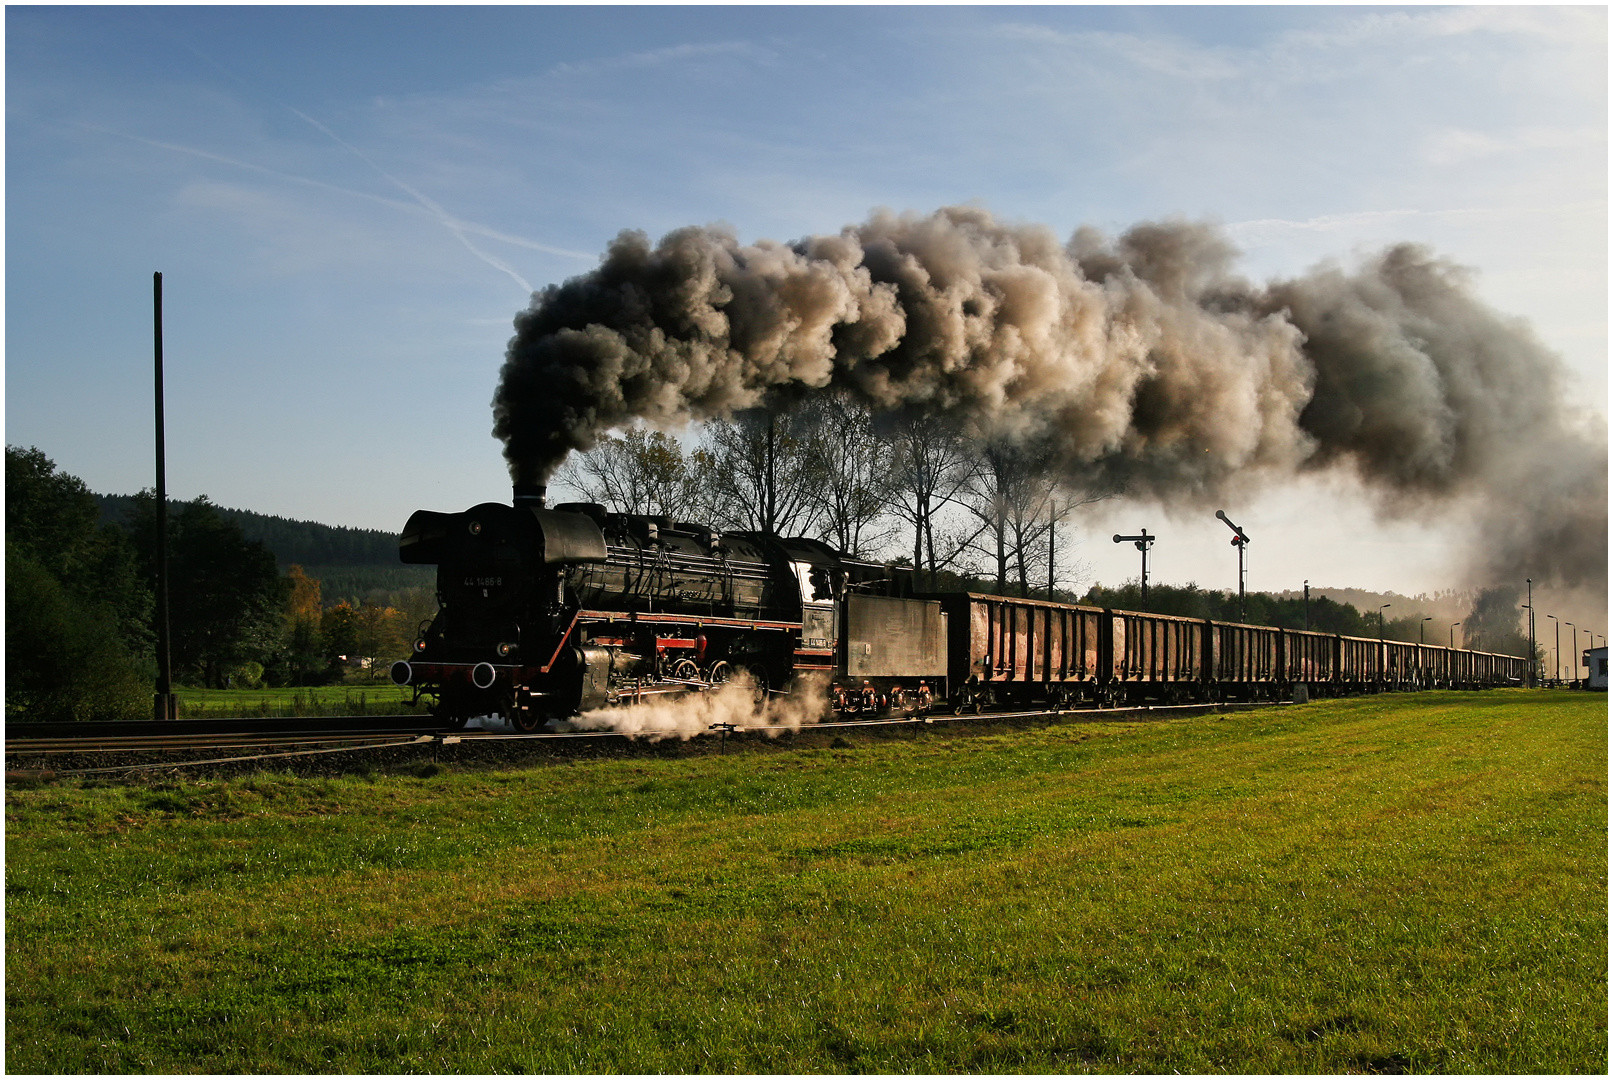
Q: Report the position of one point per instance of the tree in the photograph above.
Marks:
(76, 643)
(64, 657)
(225, 598)
(54, 519)
(856, 466)
(930, 467)
(763, 471)
(1494, 624)
(302, 656)
(639, 472)
(1010, 495)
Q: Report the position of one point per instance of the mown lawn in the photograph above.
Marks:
(375, 698)
(1410, 883)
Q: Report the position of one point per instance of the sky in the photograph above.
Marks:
(349, 206)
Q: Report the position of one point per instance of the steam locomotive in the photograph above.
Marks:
(545, 613)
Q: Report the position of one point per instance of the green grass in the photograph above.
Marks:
(349, 699)
(1409, 883)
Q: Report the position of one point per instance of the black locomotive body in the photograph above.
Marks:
(547, 613)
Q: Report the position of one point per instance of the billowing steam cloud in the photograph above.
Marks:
(687, 715)
(1141, 361)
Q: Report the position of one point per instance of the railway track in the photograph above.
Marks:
(40, 750)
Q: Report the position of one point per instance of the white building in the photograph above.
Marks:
(1596, 664)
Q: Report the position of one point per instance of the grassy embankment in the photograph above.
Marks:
(375, 698)
(1404, 883)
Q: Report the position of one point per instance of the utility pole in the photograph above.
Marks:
(163, 705)
(1307, 603)
(1142, 542)
(1239, 541)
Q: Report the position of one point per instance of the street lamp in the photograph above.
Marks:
(1531, 606)
(1421, 627)
(1380, 620)
(1142, 542)
(1307, 603)
(1576, 650)
(1454, 625)
(1238, 541)
(1556, 649)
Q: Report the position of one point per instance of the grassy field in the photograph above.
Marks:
(1409, 883)
(373, 698)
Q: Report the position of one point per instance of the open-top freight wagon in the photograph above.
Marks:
(546, 613)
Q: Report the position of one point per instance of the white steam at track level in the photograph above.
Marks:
(683, 716)
(1142, 361)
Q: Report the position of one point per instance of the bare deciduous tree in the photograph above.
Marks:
(763, 471)
(856, 474)
(930, 467)
(639, 472)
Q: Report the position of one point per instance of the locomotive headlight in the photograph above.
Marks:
(420, 646)
(505, 648)
(476, 528)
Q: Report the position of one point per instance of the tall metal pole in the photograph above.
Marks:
(1307, 603)
(163, 706)
(1454, 625)
(772, 480)
(1531, 583)
(1576, 651)
(1421, 626)
(1239, 541)
(1557, 648)
(1142, 542)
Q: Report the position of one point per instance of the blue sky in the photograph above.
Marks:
(349, 205)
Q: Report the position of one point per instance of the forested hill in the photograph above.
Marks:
(306, 542)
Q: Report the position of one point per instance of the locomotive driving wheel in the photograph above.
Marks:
(685, 669)
(759, 684)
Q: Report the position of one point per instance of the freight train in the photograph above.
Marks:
(545, 613)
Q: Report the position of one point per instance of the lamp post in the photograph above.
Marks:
(1454, 625)
(1307, 603)
(1239, 541)
(1556, 648)
(1531, 606)
(1143, 542)
(1422, 626)
(1380, 619)
(1576, 650)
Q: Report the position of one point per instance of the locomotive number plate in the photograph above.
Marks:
(483, 582)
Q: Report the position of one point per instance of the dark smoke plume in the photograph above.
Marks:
(1141, 361)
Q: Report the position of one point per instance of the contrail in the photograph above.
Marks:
(447, 220)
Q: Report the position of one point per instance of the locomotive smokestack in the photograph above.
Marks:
(530, 495)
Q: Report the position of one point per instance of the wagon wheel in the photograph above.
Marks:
(685, 669)
(527, 720)
(899, 702)
(720, 672)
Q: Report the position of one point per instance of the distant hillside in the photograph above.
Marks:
(306, 542)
